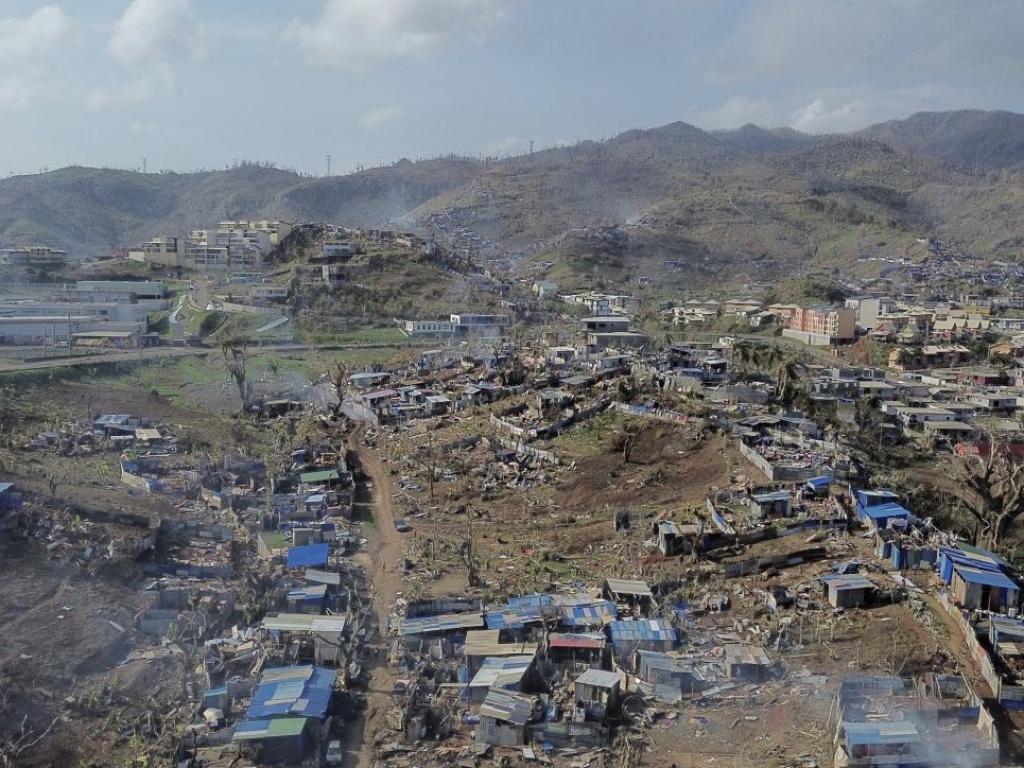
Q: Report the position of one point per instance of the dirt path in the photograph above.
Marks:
(382, 561)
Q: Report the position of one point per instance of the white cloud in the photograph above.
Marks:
(376, 118)
(25, 42)
(28, 39)
(156, 79)
(352, 34)
(15, 92)
(819, 117)
(740, 110)
(151, 30)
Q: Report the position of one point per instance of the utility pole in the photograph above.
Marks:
(328, 165)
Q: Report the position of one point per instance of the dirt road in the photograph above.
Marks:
(382, 560)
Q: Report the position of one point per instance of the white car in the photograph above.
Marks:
(334, 755)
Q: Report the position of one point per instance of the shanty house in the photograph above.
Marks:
(669, 677)
(677, 539)
(584, 649)
(282, 740)
(629, 592)
(288, 695)
(877, 508)
(641, 634)
(769, 504)
(746, 662)
(505, 673)
(976, 588)
(847, 590)
(503, 718)
(308, 556)
(482, 644)
(597, 693)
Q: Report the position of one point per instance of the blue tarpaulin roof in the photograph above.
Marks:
(966, 558)
(986, 578)
(820, 482)
(303, 690)
(888, 510)
(642, 629)
(309, 556)
(595, 614)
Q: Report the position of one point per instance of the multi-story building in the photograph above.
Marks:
(276, 231)
(33, 256)
(822, 325)
(163, 250)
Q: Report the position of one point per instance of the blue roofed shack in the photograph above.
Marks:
(284, 691)
(876, 508)
(975, 588)
(308, 556)
(641, 635)
(819, 486)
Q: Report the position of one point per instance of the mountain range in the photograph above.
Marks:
(688, 204)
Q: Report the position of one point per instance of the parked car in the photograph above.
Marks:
(334, 755)
(402, 525)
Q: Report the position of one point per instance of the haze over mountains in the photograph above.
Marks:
(751, 199)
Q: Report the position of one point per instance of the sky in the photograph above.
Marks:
(190, 84)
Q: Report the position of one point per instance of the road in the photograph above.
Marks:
(382, 560)
(152, 353)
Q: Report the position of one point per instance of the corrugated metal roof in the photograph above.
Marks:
(599, 678)
(843, 582)
(303, 622)
(881, 733)
(996, 579)
(581, 641)
(642, 629)
(449, 622)
(256, 730)
(629, 587)
(507, 706)
(323, 577)
(501, 672)
(484, 642)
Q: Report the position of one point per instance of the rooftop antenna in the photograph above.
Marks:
(328, 165)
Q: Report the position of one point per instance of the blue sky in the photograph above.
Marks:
(200, 83)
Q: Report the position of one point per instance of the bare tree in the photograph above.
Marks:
(991, 489)
(630, 436)
(235, 350)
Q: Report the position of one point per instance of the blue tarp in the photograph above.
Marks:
(308, 556)
(303, 690)
(820, 482)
